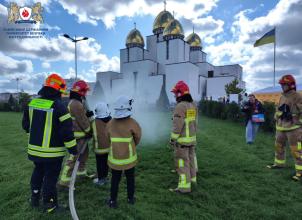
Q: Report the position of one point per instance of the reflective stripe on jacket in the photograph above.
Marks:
(124, 135)
(101, 144)
(294, 101)
(81, 123)
(185, 123)
(50, 129)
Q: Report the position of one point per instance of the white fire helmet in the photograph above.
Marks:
(102, 110)
(122, 107)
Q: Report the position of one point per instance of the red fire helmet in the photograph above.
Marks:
(288, 80)
(80, 87)
(56, 82)
(180, 89)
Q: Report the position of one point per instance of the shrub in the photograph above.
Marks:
(269, 124)
(233, 112)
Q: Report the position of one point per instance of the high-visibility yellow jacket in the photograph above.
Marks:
(184, 123)
(294, 101)
(49, 126)
(124, 135)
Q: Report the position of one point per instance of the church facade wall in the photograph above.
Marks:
(187, 72)
(216, 86)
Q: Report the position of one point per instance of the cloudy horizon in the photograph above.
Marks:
(228, 30)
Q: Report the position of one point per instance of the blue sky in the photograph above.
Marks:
(228, 29)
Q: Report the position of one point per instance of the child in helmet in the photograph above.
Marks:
(124, 134)
(101, 146)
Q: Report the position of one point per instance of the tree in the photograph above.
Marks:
(12, 103)
(24, 99)
(232, 87)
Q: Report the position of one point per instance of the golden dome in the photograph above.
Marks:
(161, 21)
(135, 39)
(173, 30)
(194, 40)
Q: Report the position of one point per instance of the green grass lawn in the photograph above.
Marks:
(233, 182)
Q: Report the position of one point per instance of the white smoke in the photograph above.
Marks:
(155, 125)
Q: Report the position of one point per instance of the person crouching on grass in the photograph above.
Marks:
(101, 146)
(124, 134)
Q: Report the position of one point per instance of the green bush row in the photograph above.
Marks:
(232, 111)
(15, 105)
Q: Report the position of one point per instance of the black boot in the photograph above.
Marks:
(35, 198)
(50, 206)
(131, 201)
(111, 203)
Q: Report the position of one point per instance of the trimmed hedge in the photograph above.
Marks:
(232, 111)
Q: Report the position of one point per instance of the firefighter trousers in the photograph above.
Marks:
(115, 181)
(44, 178)
(185, 162)
(294, 139)
(70, 162)
(101, 165)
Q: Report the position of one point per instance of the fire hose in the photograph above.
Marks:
(73, 180)
(76, 167)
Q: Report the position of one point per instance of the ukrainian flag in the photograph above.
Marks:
(268, 38)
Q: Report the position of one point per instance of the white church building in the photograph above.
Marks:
(165, 58)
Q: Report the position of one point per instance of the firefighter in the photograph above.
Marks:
(81, 128)
(124, 134)
(183, 137)
(288, 118)
(101, 146)
(49, 125)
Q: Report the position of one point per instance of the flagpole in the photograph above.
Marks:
(275, 57)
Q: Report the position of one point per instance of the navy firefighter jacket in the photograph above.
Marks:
(49, 125)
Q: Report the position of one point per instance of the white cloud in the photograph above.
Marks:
(108, 10)
(51, 50)
(46, 65)
(258, 62)
(9, 65)
(30, 83)
(51, 28)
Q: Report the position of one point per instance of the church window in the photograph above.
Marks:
(210, 74)
(135, 80)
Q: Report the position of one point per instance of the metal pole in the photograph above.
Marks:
(275, 57)
(75, 58)
(17, 85)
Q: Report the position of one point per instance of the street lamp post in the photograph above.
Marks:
(75, 40)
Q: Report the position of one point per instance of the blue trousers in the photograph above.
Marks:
(250, 131)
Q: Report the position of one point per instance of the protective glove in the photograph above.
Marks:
(89, 114)
(172, 143)
(286, 114)
(73, 151)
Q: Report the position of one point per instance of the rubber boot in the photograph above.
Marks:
(50, 206)
(131, 201)
(35, 198)
(111, 204)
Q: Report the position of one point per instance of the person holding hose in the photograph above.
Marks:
(81, 128)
